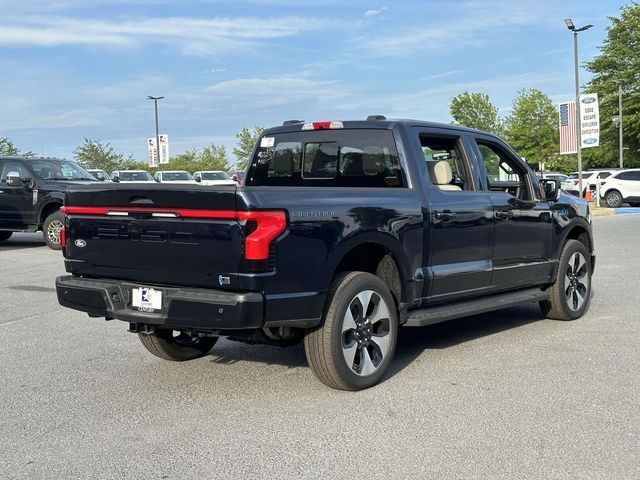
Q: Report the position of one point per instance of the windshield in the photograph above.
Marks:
(173, 176)
(215, 176)
(60, 170)
(136, 177)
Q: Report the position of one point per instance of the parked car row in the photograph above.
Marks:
(208, 177)
(616, 186)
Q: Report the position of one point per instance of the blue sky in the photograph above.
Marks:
(83, 68)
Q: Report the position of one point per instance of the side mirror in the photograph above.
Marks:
(116, 178)
(100, 177)
(198, 178)
(550, 189)
(13, 179)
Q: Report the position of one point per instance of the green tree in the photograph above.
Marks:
(95, 154)
(532, 129)
(246, 142)
(212, 157)
(8, 149)
(475, 110)
(618, 60)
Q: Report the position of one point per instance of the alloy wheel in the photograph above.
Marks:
(366, 333)
(576, 281)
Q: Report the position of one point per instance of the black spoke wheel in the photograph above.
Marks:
(354, 346)
(175, 345)
(569, 295)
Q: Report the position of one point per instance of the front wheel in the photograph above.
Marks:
(569, 295)
(353, 348)
(176, 346)
(613, 199)
(51, 229)
(5, 236)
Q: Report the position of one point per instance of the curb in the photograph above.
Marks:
(603, 211)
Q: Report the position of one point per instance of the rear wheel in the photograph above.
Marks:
(354, 347)
(569, 295)
(51, 229)
(613, 199)
(5, 235)
(176, 346)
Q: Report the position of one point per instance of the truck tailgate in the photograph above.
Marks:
(157, 234)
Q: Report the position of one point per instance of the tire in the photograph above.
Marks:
(177, 348)
(569, 295)
(51, 230)
(5, 236)
(346, 352)
(613, 198)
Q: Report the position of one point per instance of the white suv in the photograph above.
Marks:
(623, 186)
(589, 178)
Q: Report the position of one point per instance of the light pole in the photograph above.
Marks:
(621, 154)
(569, 23)
(155, 106)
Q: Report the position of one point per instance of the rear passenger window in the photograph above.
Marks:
(446, 166)
(336, 158)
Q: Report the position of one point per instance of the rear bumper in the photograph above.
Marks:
(193, 308)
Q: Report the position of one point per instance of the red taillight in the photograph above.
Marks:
(63, 238)
(269, 225)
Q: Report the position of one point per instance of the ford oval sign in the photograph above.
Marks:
(80, 243)
(589, 141)
(588, 100)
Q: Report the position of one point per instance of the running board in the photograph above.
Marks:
(463, 308)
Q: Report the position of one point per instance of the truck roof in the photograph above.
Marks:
(382, 123)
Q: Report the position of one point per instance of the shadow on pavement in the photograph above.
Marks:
(412, 342)
(21, 241)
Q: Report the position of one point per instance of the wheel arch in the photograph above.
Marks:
(376, 253)
(47, 209)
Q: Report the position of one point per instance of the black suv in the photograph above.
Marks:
(32, 192)
(341, 233)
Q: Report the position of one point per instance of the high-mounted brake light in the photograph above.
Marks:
(322, 125)
(269, 223)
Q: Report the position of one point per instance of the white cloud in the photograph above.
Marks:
(273, 91)
(374, 13)
(193, 35)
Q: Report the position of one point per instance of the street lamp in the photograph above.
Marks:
(155, 106)
(569, 23)
(619, 120)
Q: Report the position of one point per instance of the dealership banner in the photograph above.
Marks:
(589, 120)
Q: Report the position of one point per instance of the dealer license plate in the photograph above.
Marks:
(146, 299)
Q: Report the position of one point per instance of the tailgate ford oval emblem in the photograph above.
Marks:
(80, 243)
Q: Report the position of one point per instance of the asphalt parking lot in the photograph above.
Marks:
(501, 395)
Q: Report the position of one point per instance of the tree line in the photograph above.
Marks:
(96, 154)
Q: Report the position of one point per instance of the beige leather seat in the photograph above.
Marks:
(440, 174)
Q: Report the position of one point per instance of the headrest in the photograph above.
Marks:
(352, 164)
(440, 172)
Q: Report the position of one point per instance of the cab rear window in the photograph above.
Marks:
(332, 158)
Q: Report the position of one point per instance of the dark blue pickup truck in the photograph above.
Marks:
(341, 233)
